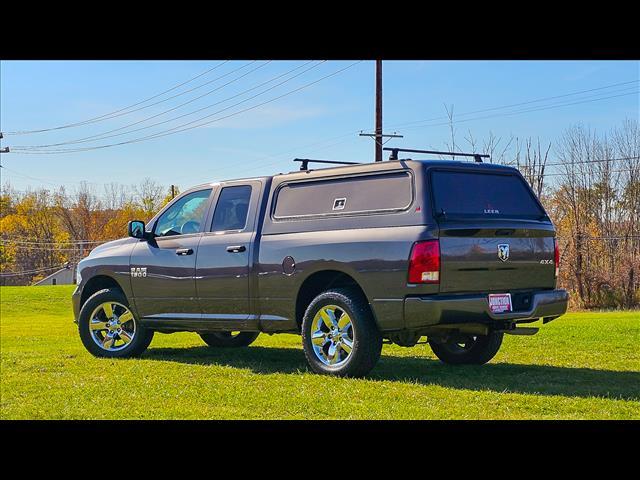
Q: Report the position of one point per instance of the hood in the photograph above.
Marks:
(112, 244)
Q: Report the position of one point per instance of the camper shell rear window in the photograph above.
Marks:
(344, 196)
(483, 194)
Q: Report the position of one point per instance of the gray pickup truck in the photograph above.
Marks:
(347, 256)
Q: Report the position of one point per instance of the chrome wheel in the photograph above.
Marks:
(112, 326)
(332, 335)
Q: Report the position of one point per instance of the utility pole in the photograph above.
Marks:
(173, 192)
(378, 110)
(5, 149)
(378, 135)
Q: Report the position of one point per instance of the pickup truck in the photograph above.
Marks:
(347, 256)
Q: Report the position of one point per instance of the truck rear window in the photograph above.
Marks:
(483, 194)
(366, 194)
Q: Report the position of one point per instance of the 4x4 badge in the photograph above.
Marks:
(503, 251)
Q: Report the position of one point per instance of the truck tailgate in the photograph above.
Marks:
(496, 259)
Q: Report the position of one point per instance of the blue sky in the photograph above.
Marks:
(262, 141)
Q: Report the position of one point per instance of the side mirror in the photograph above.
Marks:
(136, 229)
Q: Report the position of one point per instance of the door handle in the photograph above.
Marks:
(236, 248)
(184, 251)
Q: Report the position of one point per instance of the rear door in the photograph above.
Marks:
(224, 253)
(494, 234)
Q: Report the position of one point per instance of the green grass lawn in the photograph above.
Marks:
(583, 365)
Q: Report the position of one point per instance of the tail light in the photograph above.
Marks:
(424, 263)
(556, 255)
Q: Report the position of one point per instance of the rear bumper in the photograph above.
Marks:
(447, 309)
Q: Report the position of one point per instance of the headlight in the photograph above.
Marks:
(78, 276)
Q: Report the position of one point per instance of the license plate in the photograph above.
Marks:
(500, 302)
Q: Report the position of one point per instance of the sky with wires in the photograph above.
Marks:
(189, 122)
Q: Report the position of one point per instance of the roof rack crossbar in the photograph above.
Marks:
(394, 153)
(305, 162)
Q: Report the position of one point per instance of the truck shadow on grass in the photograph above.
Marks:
(496, 377)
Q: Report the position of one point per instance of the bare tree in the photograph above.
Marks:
(471, 141)
(452, 130)
(573, 150)
(600, 199)
(150, 195)
(492, 147)
(626, 145)
(533, 165)
(116, 196)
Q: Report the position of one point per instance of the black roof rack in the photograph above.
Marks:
(394, 153)
(305, 162)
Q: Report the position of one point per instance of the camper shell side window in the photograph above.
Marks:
(367, 194)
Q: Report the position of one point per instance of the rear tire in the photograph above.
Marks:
(476, 351)
(109, 329)
(339, 334)
(227, 339)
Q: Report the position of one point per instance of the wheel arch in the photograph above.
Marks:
(97, 283)
(320, 281)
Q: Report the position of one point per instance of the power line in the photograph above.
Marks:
(610, 171)
(28, 272)
(27, 176)
(517, 112)
(437, 118)
(105, 135)
(616, 237)
(50, 248)
(110, 115)
(517, 104)
(185, 127)
(64, 242)
(184, 115)
(601, 160)
(20, 174)
(280, 155)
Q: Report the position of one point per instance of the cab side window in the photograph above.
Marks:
(184, 216)
(232, 208)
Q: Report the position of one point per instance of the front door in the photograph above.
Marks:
(163, 269)
(222, 267)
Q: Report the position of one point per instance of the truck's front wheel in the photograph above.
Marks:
(339, 334)
(470, 350)
(109, 329)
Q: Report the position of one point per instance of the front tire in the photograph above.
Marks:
(471, 350)
(229, 339)
(109, 329)
(339, 334)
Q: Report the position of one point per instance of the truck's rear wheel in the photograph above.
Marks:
(108, 328)
(229, 339)
(469, 350)
(339, 334)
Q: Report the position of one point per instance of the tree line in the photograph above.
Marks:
(589, 182)
(42, 230)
